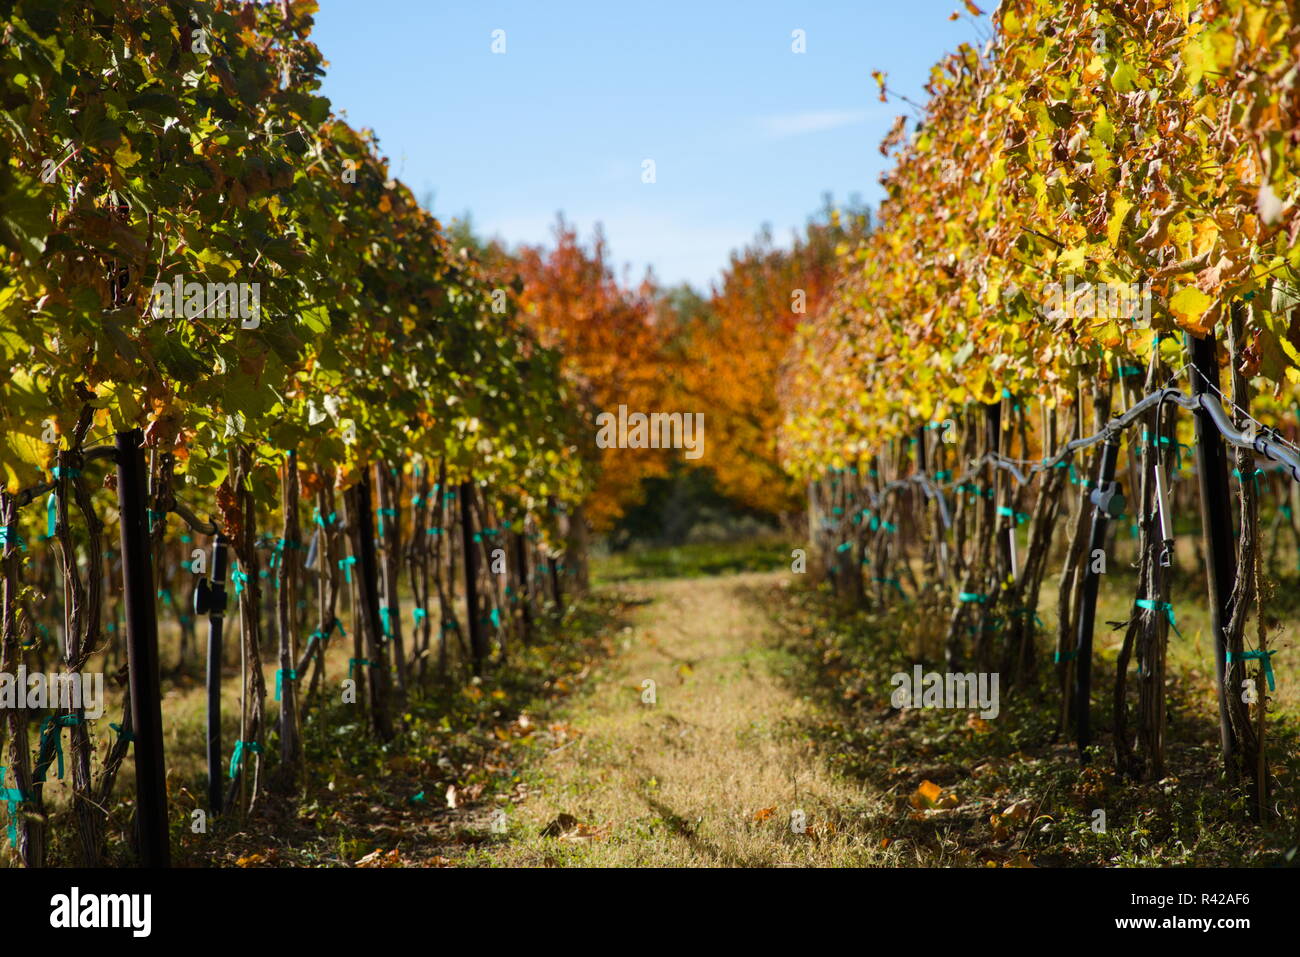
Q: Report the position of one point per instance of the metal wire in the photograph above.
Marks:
(1272, 446)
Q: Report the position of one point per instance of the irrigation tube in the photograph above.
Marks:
(1245, 439)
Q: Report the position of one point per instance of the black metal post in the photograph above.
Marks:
(368, 588)
(1088, 611)
(1216, 525)
(210, 599)
(521, 576)
(142, 651)
(1001, 492)
(477, 643)
(555, 587)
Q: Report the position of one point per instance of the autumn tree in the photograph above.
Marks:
(613, 348)
(737, 345)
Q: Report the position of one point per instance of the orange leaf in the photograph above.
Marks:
(927, 795)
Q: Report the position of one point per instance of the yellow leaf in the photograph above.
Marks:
(1189, 304)
(1072, 259)
(1117, 217)
(1180, 234)
(124, 156)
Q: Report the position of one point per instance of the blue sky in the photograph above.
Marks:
(742, 130)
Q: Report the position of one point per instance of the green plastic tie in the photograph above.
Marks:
(1074, 476)
(970, 596)
(52, 743)
(1254, 477)
(279, 680)
(1263, 657)
(346, 564)
(353, 662)
(1026, 611)
(237, 758)
(893, 582)
(11, 797)
(1164, 606)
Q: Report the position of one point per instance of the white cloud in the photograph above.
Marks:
(812, 121)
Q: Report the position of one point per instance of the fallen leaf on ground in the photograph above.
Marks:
(565, 822)
(927, 795)
(1019, 811)
(381, 859)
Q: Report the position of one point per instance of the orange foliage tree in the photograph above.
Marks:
(736, 349)
(613, 349)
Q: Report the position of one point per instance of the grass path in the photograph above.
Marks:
(710, 773)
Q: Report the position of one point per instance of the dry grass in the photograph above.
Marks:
(710, 773)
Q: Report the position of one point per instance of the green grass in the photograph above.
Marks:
(692, 561)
